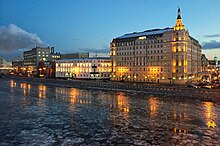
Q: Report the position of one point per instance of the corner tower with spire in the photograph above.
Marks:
(179, 49)
(168, 55)
(179, 24)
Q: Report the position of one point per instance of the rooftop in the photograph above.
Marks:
(99, 58)
(145, 33)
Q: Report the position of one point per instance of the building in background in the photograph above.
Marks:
(157, 55)
(53, 55)
(95, 55)
(42, 55)
(87, 68)
(213, 68)
(74, 55)
(5, 66)
(46, 69)
(17, 65)
(33, 57)
(205, 63)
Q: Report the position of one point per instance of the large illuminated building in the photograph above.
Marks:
(33, 57)
(157, 55)
(84, 68)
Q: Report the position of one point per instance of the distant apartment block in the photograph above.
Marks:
(156, 55)
(94, 55)
(33, 57)
(74, 55)
(5, 64)
(83, 55)
(38, 54)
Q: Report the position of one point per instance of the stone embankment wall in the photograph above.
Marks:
(166, 90)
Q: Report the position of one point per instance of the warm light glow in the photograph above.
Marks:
(174, 49)
(123, 103)
(174, 62)
(174, 70)
(153, 106)
(83, 68)
(185, 70)
(42, 91)
(209, 114)
(73, 95)
(142, 38)
(122, 69)
(179, 25)
(180, 63)
(12, 84)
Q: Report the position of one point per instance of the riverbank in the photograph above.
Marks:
(166, 90)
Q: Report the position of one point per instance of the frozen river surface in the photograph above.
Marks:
(32, 114)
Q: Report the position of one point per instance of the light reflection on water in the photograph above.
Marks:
(210, 115)
(123, 104)
(73, 96)
(12, 85)
(180, 118)
(180, 112)
(42, 91)
(154, 103)
(124, 109)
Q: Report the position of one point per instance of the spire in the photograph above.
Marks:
(179, 14)
(179, 25)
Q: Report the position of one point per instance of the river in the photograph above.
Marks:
(37, 114)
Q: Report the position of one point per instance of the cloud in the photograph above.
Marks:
(13, 37)
(212, 36)
(211, 45)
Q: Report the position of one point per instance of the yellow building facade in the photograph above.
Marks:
(157, 55)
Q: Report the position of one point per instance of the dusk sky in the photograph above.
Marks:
(90, 25)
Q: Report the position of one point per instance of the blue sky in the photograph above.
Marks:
(86, 25)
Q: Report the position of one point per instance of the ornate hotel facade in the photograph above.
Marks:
(157, 55)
